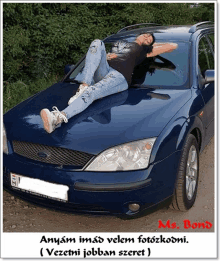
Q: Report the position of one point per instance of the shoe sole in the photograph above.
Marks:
(45, 118)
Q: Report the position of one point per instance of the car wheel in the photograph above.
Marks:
(187, 177)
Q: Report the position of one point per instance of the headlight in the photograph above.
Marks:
(130, 156)
(5, 145)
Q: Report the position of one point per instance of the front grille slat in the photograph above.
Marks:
(57, 156)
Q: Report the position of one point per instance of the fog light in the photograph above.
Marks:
(134, 207)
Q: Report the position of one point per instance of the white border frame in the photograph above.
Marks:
(203, 241)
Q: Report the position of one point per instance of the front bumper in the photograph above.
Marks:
(97, 192)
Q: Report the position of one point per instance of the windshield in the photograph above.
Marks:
(168, 70)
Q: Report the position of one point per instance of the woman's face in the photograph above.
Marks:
(145, 39)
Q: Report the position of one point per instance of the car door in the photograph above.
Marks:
(206, 62)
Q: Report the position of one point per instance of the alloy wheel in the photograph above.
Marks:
(191, 172)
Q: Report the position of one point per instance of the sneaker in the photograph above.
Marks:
(52, 119)
(79, 91)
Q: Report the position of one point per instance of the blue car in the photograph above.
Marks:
(128, 151)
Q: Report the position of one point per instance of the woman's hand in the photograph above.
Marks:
(110, 56)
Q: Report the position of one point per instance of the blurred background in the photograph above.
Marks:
(39, 39)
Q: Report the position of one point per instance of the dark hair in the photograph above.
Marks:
(149, 34)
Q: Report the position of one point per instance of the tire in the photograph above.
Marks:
(187, 177)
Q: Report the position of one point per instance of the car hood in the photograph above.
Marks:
(123, 117)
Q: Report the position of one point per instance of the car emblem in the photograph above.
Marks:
(43, 154)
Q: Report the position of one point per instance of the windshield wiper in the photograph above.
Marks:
(72, 80)
(137, 85)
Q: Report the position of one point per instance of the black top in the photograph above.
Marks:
(129, 56)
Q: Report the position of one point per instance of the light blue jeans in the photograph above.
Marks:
(104, 79)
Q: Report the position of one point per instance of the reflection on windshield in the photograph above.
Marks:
(168, 70)
(149, 65)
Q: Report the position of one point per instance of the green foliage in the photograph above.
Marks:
(205, 12)
(39, 39)
(16, 92)
(174, 14)
(15, 40)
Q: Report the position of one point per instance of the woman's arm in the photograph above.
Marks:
(159, 48)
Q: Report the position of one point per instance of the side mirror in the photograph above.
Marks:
(209, 76)
(68, 67)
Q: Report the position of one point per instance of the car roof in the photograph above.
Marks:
(172, 32)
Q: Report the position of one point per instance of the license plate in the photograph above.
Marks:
(40, 187)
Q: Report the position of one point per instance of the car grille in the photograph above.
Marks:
(52, 155)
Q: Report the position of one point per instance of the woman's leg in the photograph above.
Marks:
(112, 83)
(96, 65)
(108, 81)
(96, 68)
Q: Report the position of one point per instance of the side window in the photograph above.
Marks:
(205, 59)
(212, 39)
